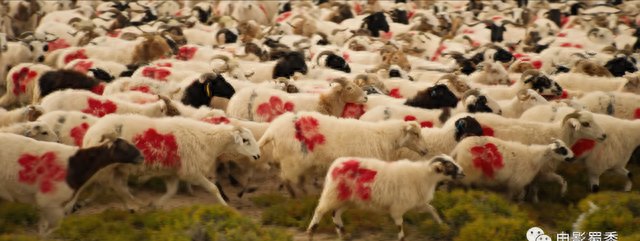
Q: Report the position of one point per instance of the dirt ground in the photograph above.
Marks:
(266, 183)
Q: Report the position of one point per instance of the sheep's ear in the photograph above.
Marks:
(336, 86)
(438, 167)
(411, 126)
(574, 123)
(236, 136)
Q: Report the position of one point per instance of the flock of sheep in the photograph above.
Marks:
(387, 100)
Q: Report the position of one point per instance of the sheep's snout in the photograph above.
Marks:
(394, 73)
(41, 58)
(256, 157)
(570, 159)
(139, 160)
(460, 175)
(363, 99)
(604, 137)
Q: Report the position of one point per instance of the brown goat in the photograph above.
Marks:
(452, 80)
(152, 48)
(305, 27)
(521, 67)
(343, 12)
(363, 80)
(590, 68)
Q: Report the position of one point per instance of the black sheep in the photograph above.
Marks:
(434, 97)
(288, 65)
(209, 85)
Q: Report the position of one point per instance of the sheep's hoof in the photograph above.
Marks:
(280, 187)
(132, 211)
(252, 189)
(76, 208)
(240, 194)
(233, 181)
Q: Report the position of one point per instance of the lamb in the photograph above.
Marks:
(70, 126)
(526, 99)
(39, 131)
(574, 126)
(490, 161)
(616, 104)
(530, 79)
(66, 170)
(309, 140)
(252, 104)
(189, 148)
(473, 101)
(28, 113)
(99, 106)
(415, 182)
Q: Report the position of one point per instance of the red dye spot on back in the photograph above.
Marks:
(564, 21)
(357, 8)
(395, 93)
(158, 148)
(274, 108)
(519, 55)
(423, 124)
(283, 16)
(468, 31)
(186, 53)
(58, 44)
(82, 66)
(496, 18)
(346, 56)
(115, 34)
(581, 146)
(487, 158)
(21, 79)
(577, 46)
(487, 131)
(216, 120)
(308, 133)
(352, 110)
(350, 176)
(143, 89)
(264, 11)
(313, 54)
(164, 65)
(79, 54)
(564, 95)
(636, 115)
(512, 82)
(562, 35)
(537, 64)
(77, 133)
(566, 45)
(156, 73)
(41, 170)
(98, 108)
(98, 89)
(410, 14)
(387, 35)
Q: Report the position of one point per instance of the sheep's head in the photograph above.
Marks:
(434, 97)
(340, 14)
(475, 101)
(521, 67)
(590, 68)
(491, 73)
(375, 23)
(465, 127)
(250, 30)
(305, 27)
(445, 165)
(584, 126)
(560, 151)
(152, 48)
(231, 66)
(41, 131)
(632, 84)
(364, 80)
(454, 83)
(245, 142)
(529, 98)
(619, 66)
(397, 57)
(348, 91)
(412, 138)
(286, 85)
(331, 60)
(536, 80)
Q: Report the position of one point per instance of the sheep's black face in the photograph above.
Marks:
(229, 37)
(338, 63)
(497, 32)
(620, 65)
(203, 16)
(219, 87)
(345, 11)
(522, 3)
(448, 168)
(562, 69)
(541, 83)
(481, 105)
(467, 67)
(149, 16)
(399, 16)
(297, 62)
(467, 126)
(376, 22)
(394, 73)
(121, 7)
(555, 16)
(502, 56)
(478, 58)
(537, 48)
(534, 37)
(284, 7)
(102, 75)
(126, 152)
(443, 97)
(371, 90)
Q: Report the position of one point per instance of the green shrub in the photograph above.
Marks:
(17, 216)
(13, 237)
(494, 228)
(619, 212)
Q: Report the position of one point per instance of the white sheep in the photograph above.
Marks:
(377, 185)
(530, 79)
(39, 131)
(490, 73)
(28, 113)
(185, 110)
(490, 161)
(70, 126)
(176, 148)
(616, 104)
(309, 140)
(48, 175)
(526, 99)
(22, 79)
(582, 82)
(99, 106)
(263, 105)
(145, 85)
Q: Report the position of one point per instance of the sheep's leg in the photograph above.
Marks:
(433, 211)
(624, 172)
(246, 183)
(321, 209)
(397, 218)
(201, 180)
(289, 180)
(119, 185)
(336, 215)
(594, 182)
(4, 194)
(97, 188)
(189, 189)
(301, 181)
(553, 177)
(234, 182)
(49, 219)
(171, 184)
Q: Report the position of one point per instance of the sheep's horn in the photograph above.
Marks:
(523, 95)
(220, 56)
(579, 55)
(483, 21)
(575, 114)
(25, 34)
(530, 72)
(326, 52)
(474, 92)
(290, 25)
(333, 32)
(249, 75)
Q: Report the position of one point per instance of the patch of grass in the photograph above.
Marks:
(619, 212)
(16, 217)
(13, 237)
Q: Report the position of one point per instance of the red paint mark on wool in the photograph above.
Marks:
(562, 35)
(423, 124)
(307, 132)
(79, 54)
(581, 146)
(564, 21)
(352, 110)
(264, 11)
(274, 108)
(82, 66)
(564, 95)
(58, 44)
(537, 64)
(566, 45)
(186, 53)
(143, 89)
(577, 46)
(487, 158)
(21, 79)
(470, 31)
(487, 131)
(77, 133)
(636, 115)
(115, 34)
(313, 54)
(496, 18)
(98, 89)
(156, 73)
(519, 55)
(625, 20)
(387, 35)
(283, 16)
(357, 8)
(350, 176)
(411, 14)
(395, 93)
(158, 148)
(164, 65)
(346, 56)
(216, 120)
(41, 170)
(100, 109)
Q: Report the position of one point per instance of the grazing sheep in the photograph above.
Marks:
(310, 140)
(39, 131)
(490, 161)
(392, 187)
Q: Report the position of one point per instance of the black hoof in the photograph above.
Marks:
(240, 194)
(132, 211)
(76, 208)
(595, 188)
(233, 181)
(280, 187)
(252, 189)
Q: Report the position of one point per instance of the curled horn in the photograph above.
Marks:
(25, 34)
(51, 40)
(592, 31)
(333, 32)
(326, 52)
(507, 21)
(424, 34)
(220, 56)
(450, 77)
(341, 80)
(483, 21)
(369, 11)
(575, 114)
(110, 137)
(468, 39)
(579, 55)
(474, 92)
(523, 95)
(532, 72)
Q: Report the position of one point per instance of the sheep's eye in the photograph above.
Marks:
(586, 124)
(245, 141)
(44, 133)
(348, 88)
